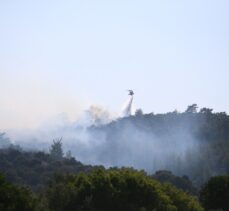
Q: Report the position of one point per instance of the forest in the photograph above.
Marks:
(184, 166)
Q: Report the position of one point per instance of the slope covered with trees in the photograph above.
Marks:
(35, 169)
(193, 143)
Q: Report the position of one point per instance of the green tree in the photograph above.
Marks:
(15, 198)
(182, 200)
(215, 193)
(56, 150)
(183, 183)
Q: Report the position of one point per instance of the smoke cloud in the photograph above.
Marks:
(100, 138)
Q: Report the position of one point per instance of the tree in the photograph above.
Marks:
(206, 110)
(215, 193)
(192, 108)
(56, 150)
(14, 198)
(138, 112)
(183, 183)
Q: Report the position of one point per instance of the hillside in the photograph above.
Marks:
(191, 143)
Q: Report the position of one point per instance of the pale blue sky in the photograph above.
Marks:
(62, 56)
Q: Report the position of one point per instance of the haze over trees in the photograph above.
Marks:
(193, 143)
(4, 141)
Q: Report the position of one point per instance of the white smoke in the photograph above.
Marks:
(95, 115)
(98, 138)
(72, 132)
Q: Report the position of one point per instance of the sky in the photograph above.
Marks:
(63, 56)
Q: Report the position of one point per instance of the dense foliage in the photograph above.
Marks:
(215, 193)
(123, 189)
(183, 183)
(35, 169)
(113, 189)
(102, 190)
(15, 198)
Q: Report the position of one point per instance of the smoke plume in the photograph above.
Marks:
(97, 138)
